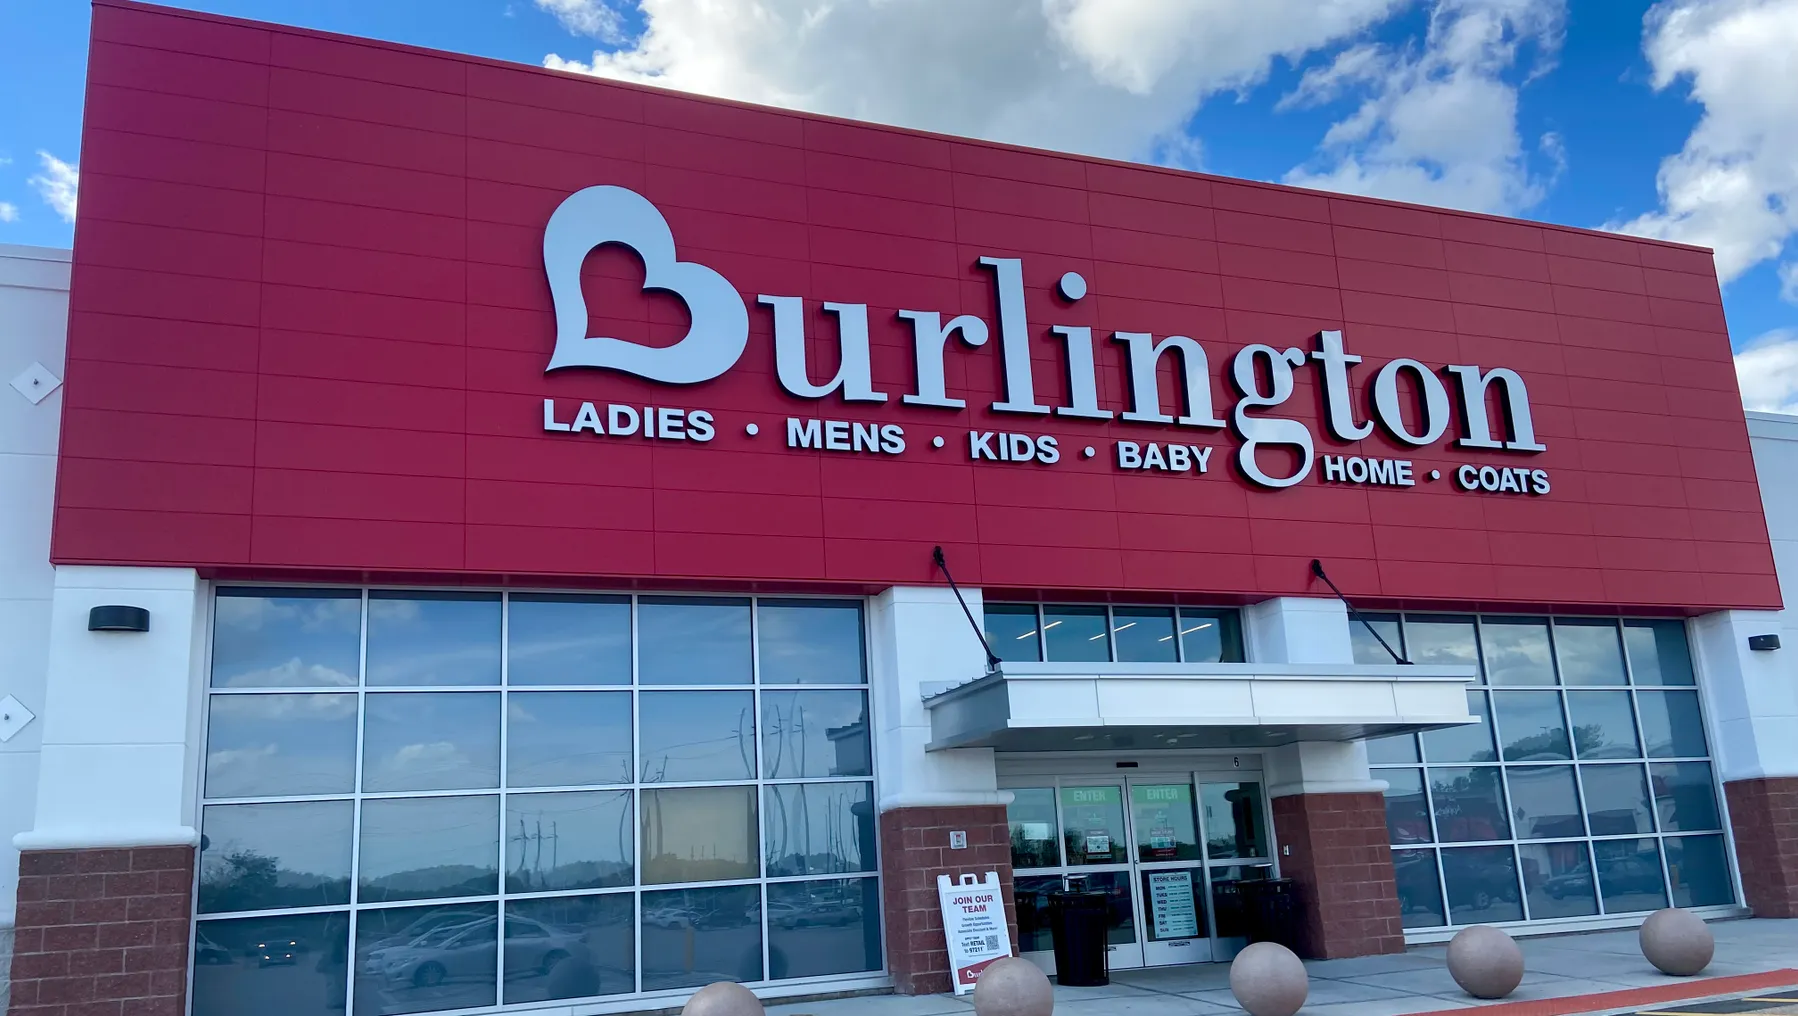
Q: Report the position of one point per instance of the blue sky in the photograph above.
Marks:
(1679, 120)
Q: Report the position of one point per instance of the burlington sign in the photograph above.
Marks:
(1261, 375)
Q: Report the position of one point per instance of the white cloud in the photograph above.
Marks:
(56, 184)
(1734, 185)
(9, 212)
(1438, 123)
(1118, 78)
(1767, 371)
(595, 19)
(1788, 282)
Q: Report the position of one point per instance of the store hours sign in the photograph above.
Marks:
(1487, 408)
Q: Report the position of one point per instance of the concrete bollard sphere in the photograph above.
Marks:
(1677, 942)
(1268, 980)
(1485, 962)
(1013, 987)
(723, 998)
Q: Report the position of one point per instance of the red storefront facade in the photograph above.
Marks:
(350, 314)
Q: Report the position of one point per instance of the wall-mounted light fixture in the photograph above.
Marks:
(1763, 642)
(116, 617)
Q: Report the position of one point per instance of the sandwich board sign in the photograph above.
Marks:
(974, 924)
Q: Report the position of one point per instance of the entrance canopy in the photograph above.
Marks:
(1079, 706)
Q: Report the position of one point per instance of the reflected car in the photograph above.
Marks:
(466, 951)
(669, 917)
(278, 947)
(434, 920)
(209, 953)
(1577, 882)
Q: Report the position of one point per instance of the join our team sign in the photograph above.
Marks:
(974, 924)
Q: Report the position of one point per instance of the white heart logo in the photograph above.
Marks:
(599, 215)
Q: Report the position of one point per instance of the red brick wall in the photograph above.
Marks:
(1342, 864)
(102, 932)
(914, 850)
(1764, 813)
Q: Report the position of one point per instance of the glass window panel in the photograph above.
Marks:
(1629, 876)
(1684, 796)
(1011, 631)
(696, 936)
(1210, 636)
(1441, 638)
(1532, 725)
(1671, 724)
(1121, 929)
(1031, 816)
(693, 640)
(818, 828)
(1076, 634)
(579, 840)
(1589, 651)
(1367, 647)
(421, 959)
(1545, 802)
(695, 736)
(1516, 650)
(1699, 868)
(1470, 742)
(567, 738)
(430, 741)
(1616, 799)
(561, 639)
(1093, 824)
(1144, 634)
(1468, 804)
(274, 745)
(827, 927)
(1558, 879)
(1482, 885)
(1397, 749)
(1407, 811)
(570, 947)
(810, 642)
(265, 856)
(273, 638)
(1419, 888)
(1228, 909)
(419, 639)
(424, 847)
(699, 834)
(293, 965)
(1030, 898)
(1604, 724)
(1233, 821)
(809, 734)
(1658, 653)
(1166, 826)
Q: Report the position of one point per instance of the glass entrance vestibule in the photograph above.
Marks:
(1169, 842)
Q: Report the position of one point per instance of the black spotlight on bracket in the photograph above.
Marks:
(1763, 642)
(116, 617)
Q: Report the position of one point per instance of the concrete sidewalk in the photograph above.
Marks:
(1563, 966)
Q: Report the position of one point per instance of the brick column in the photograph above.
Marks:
(1342, 864)
(914, 850)
(103, 932)
(1764, 814)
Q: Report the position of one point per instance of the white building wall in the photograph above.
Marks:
(34, 311)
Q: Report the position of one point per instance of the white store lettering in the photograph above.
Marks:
(1408, 399)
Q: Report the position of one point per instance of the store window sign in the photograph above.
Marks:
(1262, 375)
(1171, 905)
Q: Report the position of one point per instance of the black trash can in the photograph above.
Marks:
(1272, 908)
(1226, 903)
(1077, 922)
